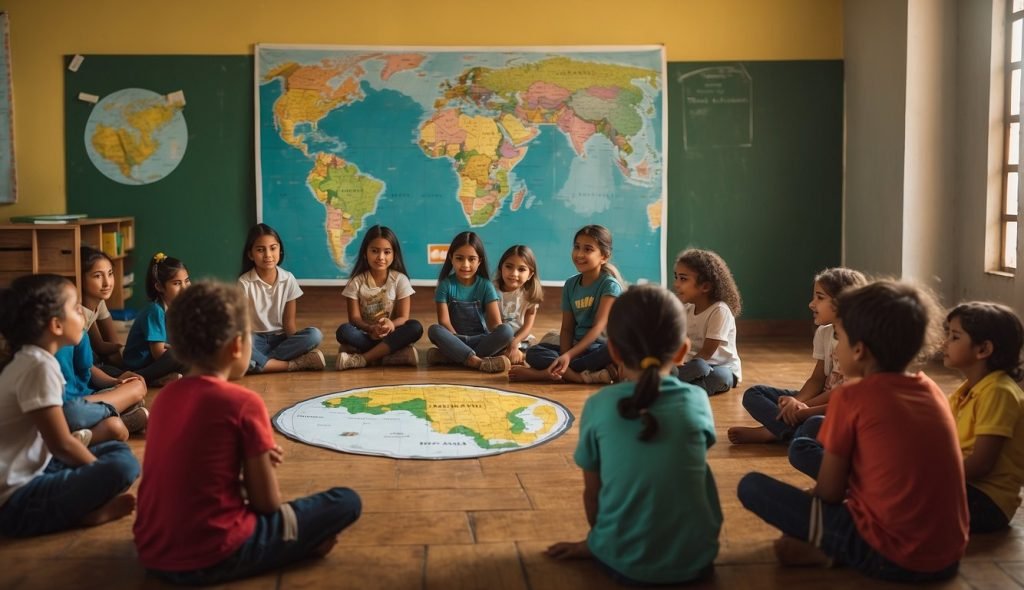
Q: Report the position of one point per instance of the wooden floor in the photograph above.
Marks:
(470, 524)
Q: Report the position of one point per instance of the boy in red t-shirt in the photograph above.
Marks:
(195, 525)
(890, 497)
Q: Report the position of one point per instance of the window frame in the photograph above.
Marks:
(1007, 219)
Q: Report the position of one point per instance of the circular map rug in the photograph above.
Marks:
(429, 421)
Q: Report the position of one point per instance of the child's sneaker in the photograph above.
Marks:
(402, 357)
(602, 376)
(135, 418)
(495, 364)
(84, 435)
(350, 361)
(436, 357)
(311, 361)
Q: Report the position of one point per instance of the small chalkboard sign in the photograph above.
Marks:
(718, 107)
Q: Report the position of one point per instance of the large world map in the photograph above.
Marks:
(520, 146)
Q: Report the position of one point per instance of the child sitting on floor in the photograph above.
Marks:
(197, 524)
(889, 499)
(983, 341)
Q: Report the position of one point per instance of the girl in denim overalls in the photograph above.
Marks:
(469, 330)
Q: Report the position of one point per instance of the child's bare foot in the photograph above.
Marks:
(324, 548)
(528, 373)
(793, 551)
(118, 507)
(739, 435)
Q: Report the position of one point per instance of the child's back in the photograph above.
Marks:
(905, 467)
(659, 515)
(191, 510)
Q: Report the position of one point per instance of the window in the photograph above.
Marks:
(1011, 165)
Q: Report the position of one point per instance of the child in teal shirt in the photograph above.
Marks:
(649, 493)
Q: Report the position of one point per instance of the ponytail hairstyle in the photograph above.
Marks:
(603, 237)
(257, 231)
(162, 268)
(642, 349)
(983, 320)
(834, 281)
(28, 305)
(710, 268)
(466, 238)
(532, 290)
(377, 231)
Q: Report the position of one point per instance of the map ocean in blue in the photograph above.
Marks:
(379, 135)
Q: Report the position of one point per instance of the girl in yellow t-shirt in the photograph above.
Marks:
(983, 341)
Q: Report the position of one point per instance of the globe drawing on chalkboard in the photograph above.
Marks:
(135, 136)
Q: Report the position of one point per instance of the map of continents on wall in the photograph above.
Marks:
(520, 146)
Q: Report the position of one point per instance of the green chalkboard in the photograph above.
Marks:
(755, 173)
(200, 212)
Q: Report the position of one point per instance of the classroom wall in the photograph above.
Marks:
(42, 31)
(924, 144)
(875, 58)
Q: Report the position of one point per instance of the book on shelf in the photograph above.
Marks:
(48, 219)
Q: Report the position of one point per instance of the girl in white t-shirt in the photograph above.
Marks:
(521, 294)
(378, 296)
(781, 411)
(49, 480)
(277, 345)
(705, 285)
(97, 286)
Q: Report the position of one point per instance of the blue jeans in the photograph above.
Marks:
(805, 452)
(280, 346)
(319, 517)
(762, 403)
(459, 348)
(711, 378)
(80, 413)
(986, 516)
(789, 510)
(594, 358)
(405, 335)
(61, 496)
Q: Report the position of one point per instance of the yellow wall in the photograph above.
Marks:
(42, 31)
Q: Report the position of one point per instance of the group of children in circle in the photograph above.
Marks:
(900, 516)
(483, 323)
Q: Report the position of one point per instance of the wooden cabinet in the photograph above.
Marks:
(54, 248)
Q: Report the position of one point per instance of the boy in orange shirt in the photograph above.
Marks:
(890, 498)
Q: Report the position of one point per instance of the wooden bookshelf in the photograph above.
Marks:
(32, 248)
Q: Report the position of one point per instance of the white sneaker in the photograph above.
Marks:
(350, 361)
(84, 435)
